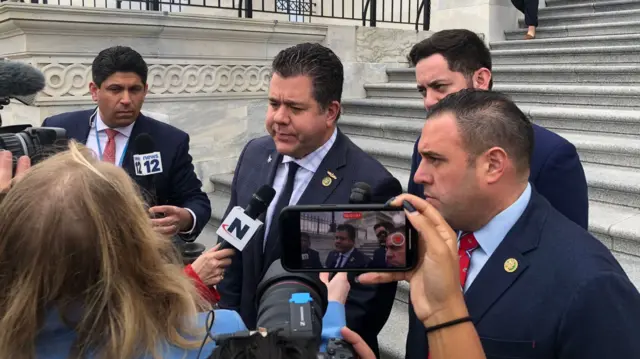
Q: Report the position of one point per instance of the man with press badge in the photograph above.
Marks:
(155, 154)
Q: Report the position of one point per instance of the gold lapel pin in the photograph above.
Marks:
(331, 175)
(510, 265)
(326, 181)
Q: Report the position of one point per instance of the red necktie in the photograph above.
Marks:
(109, 154)
(468, 244)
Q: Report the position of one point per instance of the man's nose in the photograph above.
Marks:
(422, 176)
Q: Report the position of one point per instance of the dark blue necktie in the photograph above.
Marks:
(283, 201)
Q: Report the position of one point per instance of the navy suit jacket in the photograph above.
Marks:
(313, 260)
(379, 258)
(350, 164)
(357, 259)
(568, 297)
(177, 185)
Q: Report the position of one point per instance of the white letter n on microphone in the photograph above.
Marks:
(238, 228)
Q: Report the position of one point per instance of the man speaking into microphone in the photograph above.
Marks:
(155, 154)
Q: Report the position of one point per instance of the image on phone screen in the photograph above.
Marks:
(353, 239)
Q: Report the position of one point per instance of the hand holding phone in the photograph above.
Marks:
(347, 238)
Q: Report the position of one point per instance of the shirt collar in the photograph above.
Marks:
(491, 235)
(347, 254)
(101, 126)
(312, 161)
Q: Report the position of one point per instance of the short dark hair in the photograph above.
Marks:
(305, 235)
(118, 59)
(319, 63)
(386, 225)
(487, 119)
(345, 227)
(464, 51)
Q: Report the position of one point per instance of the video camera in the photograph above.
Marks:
(292, 305)
(21, 82)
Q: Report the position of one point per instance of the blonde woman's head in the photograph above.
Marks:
(75, 238)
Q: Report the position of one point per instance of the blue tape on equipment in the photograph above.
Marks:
(300, 298)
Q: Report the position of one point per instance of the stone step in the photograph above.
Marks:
(551, 19)
(589, 8)
(593, 120)
(546, 32)
(621, 150)
(564, 42)
(568, 74)
(582, 95)
(558, 3)
(608, 184)
(568, 55)
(543, 73)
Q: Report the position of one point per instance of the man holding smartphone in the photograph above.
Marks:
(307, 160)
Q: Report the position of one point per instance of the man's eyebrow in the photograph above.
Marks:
(431, 154)
(287, 102)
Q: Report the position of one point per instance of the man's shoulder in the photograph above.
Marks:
(65, 118)
(263, 144)
(547, 141)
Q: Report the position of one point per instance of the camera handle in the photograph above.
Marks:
(338, 349)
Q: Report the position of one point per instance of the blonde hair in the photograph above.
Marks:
(75, 237)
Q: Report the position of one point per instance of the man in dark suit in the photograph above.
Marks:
(346, 255)
(119, 87)
(383, 230)
(452, 60)
(310, 257)
(537, 285)
(307, 160)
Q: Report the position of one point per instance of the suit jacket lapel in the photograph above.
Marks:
(141, 126)
(508, 262)
(267, 173)
(322, 184)
(82, 126)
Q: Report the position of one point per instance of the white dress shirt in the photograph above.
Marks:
(342, 258)
(122, 141)
(308, 167)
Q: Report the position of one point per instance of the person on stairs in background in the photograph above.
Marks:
(530, 10)
(453, 60)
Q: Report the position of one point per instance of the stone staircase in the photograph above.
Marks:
(579, 78)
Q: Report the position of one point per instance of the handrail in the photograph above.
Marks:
(426, 23)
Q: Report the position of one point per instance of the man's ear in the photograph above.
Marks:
(482, 79)
(332, 112)
(93, 88)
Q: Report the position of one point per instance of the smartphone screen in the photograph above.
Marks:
(347, 239)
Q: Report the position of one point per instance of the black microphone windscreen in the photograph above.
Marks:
(260, 201)
(144, 144)
(19, 79)
(360, 193)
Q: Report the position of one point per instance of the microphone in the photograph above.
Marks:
(20, 81)
(360, 193)
(144, 145)
(241, 224)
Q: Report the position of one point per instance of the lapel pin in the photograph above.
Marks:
(269, 159)
(326, 181)
(331, 175)
(510, 265)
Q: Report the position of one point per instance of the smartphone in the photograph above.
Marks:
(347, 238)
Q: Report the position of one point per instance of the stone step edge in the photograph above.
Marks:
(585, 113)
(566, 39)
(591, 4)
(576, 68)
(575, 26)
(579, 89)
(568, 50)
(610, 13)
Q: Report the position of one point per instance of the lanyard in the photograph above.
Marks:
(124, 150)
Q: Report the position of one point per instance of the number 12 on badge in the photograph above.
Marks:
(148, 164)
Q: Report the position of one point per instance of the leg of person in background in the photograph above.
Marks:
(530, 10)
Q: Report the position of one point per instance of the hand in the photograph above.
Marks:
(211, 264)
(6, 169)
(435, 281)
(359, 345)
(338, 288)
(175, 219)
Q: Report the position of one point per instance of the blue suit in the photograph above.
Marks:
(55, 339)
(357, 259)
(257, 166)
(567, 297)
(556, 173)
(177, 185)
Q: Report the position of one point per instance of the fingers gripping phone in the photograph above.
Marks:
(347, 238)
